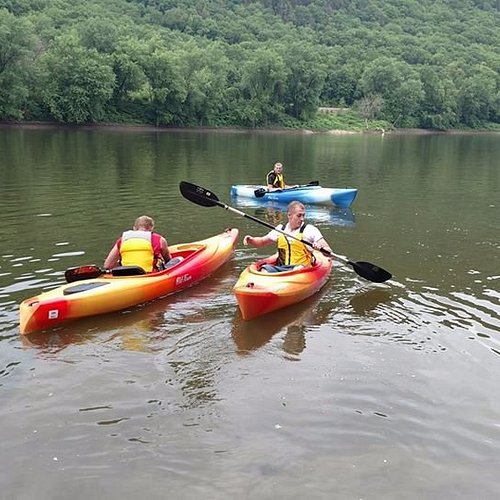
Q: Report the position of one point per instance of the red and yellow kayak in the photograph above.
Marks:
(109, 293)
(260, 292)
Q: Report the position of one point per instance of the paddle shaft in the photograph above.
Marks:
(261, 192)
(89, 271)
(205, 198)
(263, 223)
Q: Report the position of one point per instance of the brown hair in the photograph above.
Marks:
(144, 222)
(294, 204)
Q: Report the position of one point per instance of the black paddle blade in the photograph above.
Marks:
(197, 194)
(88, 272)
(371, 272)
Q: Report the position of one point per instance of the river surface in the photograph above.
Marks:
(363, 391)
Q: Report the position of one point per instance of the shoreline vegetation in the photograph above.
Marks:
(240, 130)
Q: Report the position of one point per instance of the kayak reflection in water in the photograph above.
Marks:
(140, 247)
(291, 252)
(270, 214)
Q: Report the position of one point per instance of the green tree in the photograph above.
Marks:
(78, 82)
(405, 102)
(204, 72)
(381, 76)
(304, 82)
(17, 44)
(262, 85)
(342, 72)
(129, 75)
(478, 96)
(399, 85)
(439, 106)
(165, 90)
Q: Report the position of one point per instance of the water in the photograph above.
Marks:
(364, 391)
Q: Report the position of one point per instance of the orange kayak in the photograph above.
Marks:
(109, 293)
(261, 292)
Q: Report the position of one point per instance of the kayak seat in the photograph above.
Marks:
(127, 271)
(272, 268)
(82, 287)
(173, 261)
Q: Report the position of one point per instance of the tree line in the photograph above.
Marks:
(254, 63)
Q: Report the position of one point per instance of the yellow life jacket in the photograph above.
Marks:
(279, 180)
(136, 249)
(293, 252)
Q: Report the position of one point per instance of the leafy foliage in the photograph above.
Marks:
(77, 82)
(254, 63)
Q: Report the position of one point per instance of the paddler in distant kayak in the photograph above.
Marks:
(275, 178)
(291, 253)
(139, 246)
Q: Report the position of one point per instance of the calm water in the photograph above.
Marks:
(364, 391)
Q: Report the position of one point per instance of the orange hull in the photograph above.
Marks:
(259, 293)
(112, 293)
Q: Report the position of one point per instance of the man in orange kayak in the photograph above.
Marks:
(139, 247)
(275, 178)
(291, 252)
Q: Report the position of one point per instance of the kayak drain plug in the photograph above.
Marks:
(250, 285)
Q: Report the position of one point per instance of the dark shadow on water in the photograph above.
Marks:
(365, 302)
(254, 334)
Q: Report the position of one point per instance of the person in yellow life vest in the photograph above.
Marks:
(291, 253)
(139, 246)
(275, 178)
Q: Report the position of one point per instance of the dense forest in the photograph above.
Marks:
(254, 63)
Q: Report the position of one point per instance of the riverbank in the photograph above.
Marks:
(120, 127)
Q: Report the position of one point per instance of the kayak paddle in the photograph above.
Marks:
(202, 196)
(259, 193)
(91, 271)
(87, 272)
